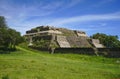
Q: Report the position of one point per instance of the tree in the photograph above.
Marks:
(107, 40)
(2, 22)
(9, 38)
(4, 37)
(14, 38)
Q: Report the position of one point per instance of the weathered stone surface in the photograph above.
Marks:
(97, 44)
(62, 41)
(78, 41)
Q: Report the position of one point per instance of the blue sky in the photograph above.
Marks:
(92, 16)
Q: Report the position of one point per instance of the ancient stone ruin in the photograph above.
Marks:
(64, 40)
(52, 37)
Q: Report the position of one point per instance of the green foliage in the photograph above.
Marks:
(9, 38)
(42, 43)
(2, 22)
(107, 40)
(53, 45)
(67, 32)
(4, 37)
(14, 37)
(5, 77)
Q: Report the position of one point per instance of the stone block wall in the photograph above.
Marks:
(88, 51)
(109, 52)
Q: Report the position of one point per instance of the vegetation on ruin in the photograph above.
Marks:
(67, 32)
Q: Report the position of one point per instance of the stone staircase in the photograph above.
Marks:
(78, 41)
(62, 41)
(96, 43)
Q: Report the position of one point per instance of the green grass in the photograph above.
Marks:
(32, 64)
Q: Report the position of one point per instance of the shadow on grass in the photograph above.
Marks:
(5, 77)
(6, 50)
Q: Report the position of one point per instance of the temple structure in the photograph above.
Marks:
(52, 37)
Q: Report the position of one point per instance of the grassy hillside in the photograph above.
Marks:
(31, 64)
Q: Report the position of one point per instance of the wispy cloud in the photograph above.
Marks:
(103, 24)
(36, 8)
(103, 2)
(17, 12)
(86, 18)
(70, 20)
(71, 3)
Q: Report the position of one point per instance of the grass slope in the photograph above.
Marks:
(31, 64)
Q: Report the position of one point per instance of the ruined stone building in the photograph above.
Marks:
(52, 37)
(62, 40)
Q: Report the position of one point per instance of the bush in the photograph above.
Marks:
(5, 77)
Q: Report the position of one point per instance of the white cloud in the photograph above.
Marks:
(36, 8)
(87, 18)
(103, 24)
(17, 13)
(63, 22)
(102, 2)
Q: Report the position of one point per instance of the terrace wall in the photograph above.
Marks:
(107, 52)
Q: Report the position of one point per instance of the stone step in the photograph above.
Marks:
(62, 41)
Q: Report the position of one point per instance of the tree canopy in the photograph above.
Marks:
(2, 22)
(107, 40)
(9, 38)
